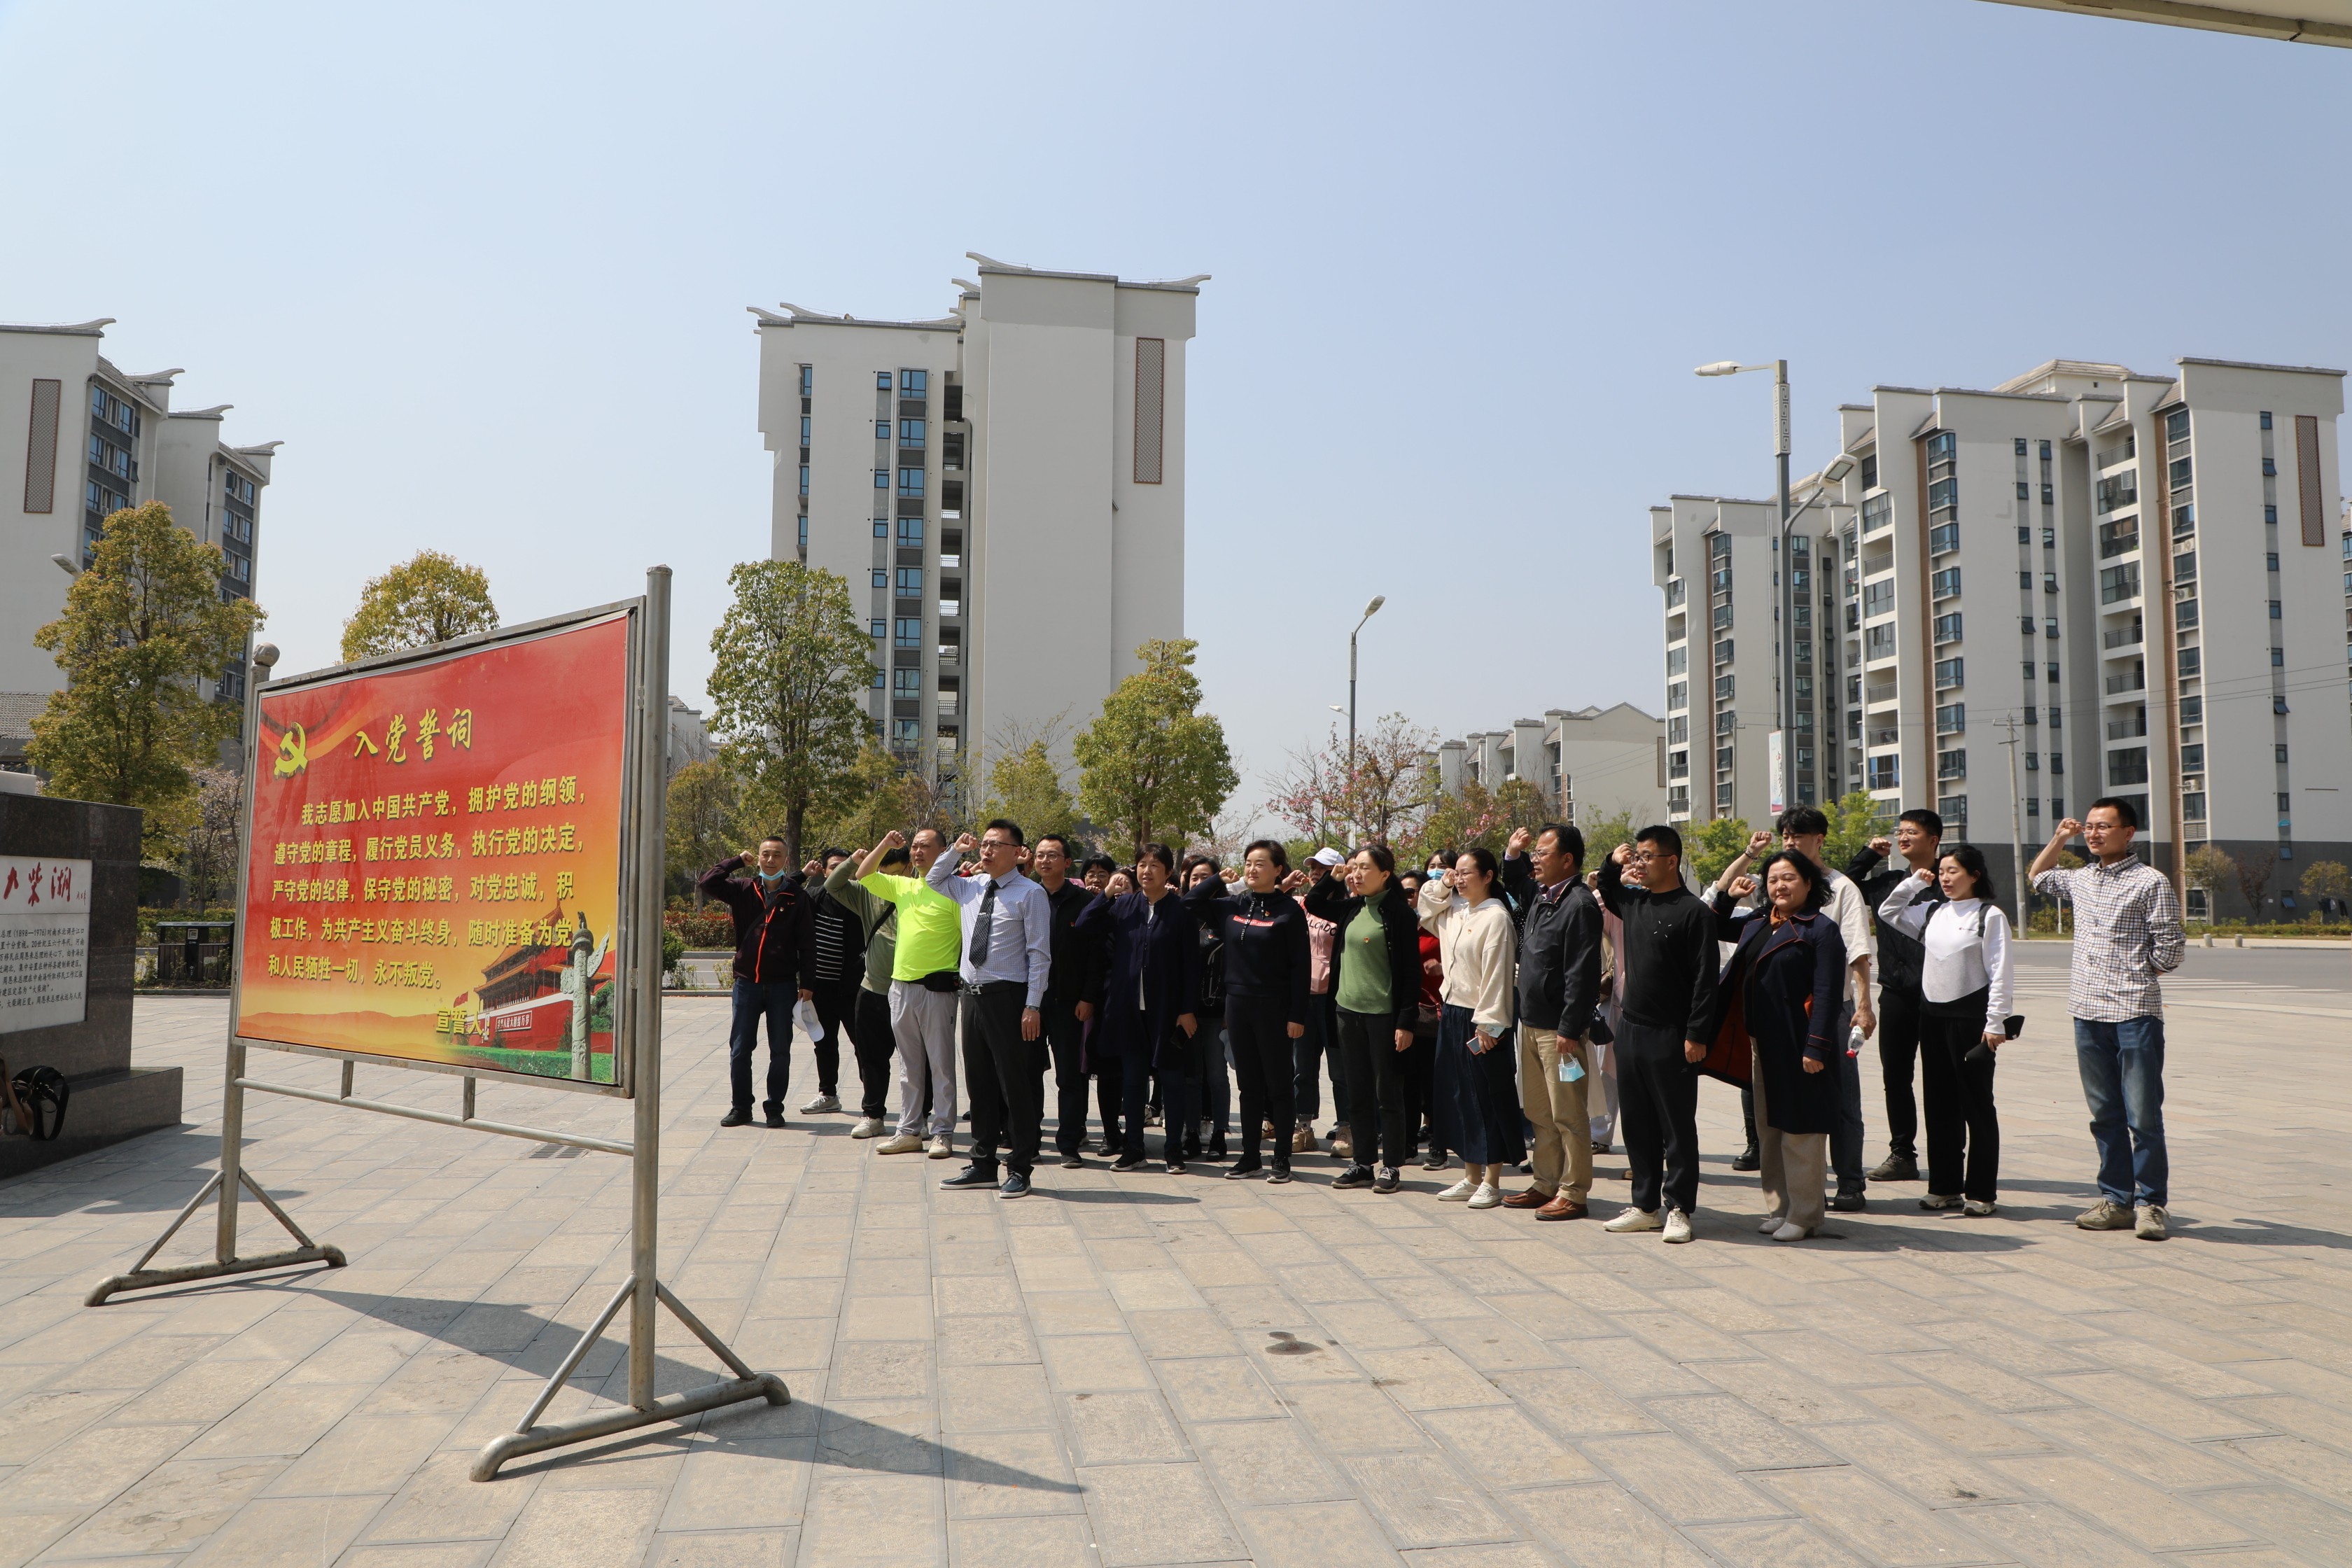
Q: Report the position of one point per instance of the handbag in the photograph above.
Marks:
(941, 980)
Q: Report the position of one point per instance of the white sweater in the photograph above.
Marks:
(1477, 948)
(1958, 961)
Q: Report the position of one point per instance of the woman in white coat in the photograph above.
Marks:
(1967, 986)
(1476, 1109)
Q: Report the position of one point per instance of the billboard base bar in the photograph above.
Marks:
(143, 1278)
(734, 1390)
(440, 1118)
(572, 1361)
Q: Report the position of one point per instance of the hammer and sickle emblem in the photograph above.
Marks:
(292, 756)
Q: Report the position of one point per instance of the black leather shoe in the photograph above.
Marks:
(1387, 1181)
(775, 1119)
(738, 1117)
(1896, 1168)
(1175, 1167)
(972, 1175)
(1216, 1146)
(1849, 1202)
(1016, 1185)
(1073, 1162)
(1748, 1160)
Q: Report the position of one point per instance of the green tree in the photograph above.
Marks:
(2326, 880)
(788, 691)
(146, 632)
(2210, 868)
(428, 598)
(208, 861)
(1709, 846)
(1025, 786)
(1602, 833)
(699, 828)
(1855, 821)
(1152, 766)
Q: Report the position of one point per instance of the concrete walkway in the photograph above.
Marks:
(1130, 1370)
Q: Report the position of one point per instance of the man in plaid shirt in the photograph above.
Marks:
(2126, 932)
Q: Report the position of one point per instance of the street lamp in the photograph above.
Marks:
(66, 566)
(1370, 611)
(1787, 714)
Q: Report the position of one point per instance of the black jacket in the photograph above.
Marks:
(1560, 952)
(1900, 954)
(1074, 952)
(1669, 958)
(1263, 951)
(775, 930)
(1150, 973)
(1790, 981)
(839, 927)
(1330, 900)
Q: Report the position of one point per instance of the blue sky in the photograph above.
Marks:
(483, 269)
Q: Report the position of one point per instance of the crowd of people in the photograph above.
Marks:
(1468, 1010)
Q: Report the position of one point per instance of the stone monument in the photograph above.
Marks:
(68, 936)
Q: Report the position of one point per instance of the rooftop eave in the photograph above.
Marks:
(94, 328)
(2249, 365)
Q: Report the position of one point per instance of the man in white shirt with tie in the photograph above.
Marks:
(1008, 947)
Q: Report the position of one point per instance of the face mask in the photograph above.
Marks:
(769, 875)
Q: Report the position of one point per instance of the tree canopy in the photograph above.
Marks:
(146, 635)
(788, 692)
(699, 828)
(1152, 766)
(426, 599)
(1026, 786)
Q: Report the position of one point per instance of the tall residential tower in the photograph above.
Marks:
(1002, 487)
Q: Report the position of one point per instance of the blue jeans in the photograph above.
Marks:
(2123, 1080)
(754, 1001)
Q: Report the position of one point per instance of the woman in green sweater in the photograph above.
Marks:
(1377, 956)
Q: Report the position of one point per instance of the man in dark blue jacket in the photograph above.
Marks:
(1560, 984)
(775, 964)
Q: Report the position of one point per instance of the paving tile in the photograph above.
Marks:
(2043, 1535)
(1313, 1535)
(1602, 1526)
(1776, 1543)
(1058, 1542)
(2294, 1519)
(1872, 1519)
(1420, 1499)
(1000, 1473)
(1925, 1471)
(1258, 1463)
(174, 1508)
(1744, 1438)
(1121, 1428)
(1677, 1480)
(286, 1532)
(1149, 1514)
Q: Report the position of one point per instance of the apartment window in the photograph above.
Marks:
(2025, 491)
(914, 384)
(911, 481)
(1943, 538)
(1947, 628)
(2050, 581)
(2025, 582)
(910, 432)
(881, 478)
(1948, 673)
(2192, 710)
(2184, 615)
(2192, 661)
(1721, 618)
(1725, 723)
(881, 576)
(1869, 472)
(2281, 754)
(911, 582)
(2192, 758)
(1879, 642)
(1877, 512)
(1679, 764)
(2266, 418)
(2270, 514)
(883, 381)
(2025, 624)
(804, 467)
(1677, 661)
(2049, 493)
(1883, 773)
(2024, 534)
(910, 532)
(881, 528)
(2192, 807)
(1723, 688)
(2032, 761)
(906, 682)
(909, 632)
(2119, 582)
(2029, 669)
(804, 536)
(805, 440)
(2273, 556)
(881, 429)
(880, 631)
(2184, 566)
(2270, 468)
(2278, 657)
(2274, 609)
(2128, 766)
(1878, 599)
(1952, 764)
(1678, 694)
(2176, 424)
(2278, 704)
(1947, 583)
(1951, 719)
(881, 678)
(808, 380)
(1677, 729)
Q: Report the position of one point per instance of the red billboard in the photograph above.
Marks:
(433, 859)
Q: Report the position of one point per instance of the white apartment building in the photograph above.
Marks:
(2086, 582)
(1592, 760)
(1716, 560)
(1002, 487)
(86, 439)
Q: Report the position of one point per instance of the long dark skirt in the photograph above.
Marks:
(1476, 1111)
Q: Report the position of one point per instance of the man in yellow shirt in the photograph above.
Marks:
(924, 983)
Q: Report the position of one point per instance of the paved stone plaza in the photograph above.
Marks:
(1139, 1370)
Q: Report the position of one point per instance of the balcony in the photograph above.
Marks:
(2127, 729)
(2118, 538)
(1885, 735)
(1674, 592)
(950, 609)
(950, 653)
(1879, 694)
(2134, 681)
(2131, 635)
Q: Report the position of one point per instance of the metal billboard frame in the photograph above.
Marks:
(636, 1023)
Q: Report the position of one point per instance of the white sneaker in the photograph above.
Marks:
(822, 1103)
(1772, 1222)
(1792, 1231)
(1978, 1207)
(2151, 1223)
(1678, 1226)
(1487, 1196)
(899, 1143)
(1635, 1219)
(941, 1146)
(867, 1127)
(1459, 1192)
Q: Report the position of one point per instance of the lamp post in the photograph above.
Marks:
(1370, 611)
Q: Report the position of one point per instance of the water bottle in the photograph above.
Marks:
(1854, 1041)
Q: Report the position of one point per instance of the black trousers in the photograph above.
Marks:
(836, 1005)
(1899, 1037)
(1004, 1075)
(1377, 1095)
(754, 1001)
(1065, 1041)
(1259, 1028)
(1420, 1088)
(876, 1044)
(1657, 1098)
(1179, 1097)
(1963, 1128)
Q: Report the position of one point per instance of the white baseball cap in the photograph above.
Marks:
(1326, 855)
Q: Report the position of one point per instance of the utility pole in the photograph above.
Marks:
(2016, 824)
